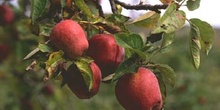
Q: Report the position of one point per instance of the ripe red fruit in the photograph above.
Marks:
(6, 15)
(48, 89)
(4, 51)
(139, 91)
(75, 81)
(106, 53)
(69, 36)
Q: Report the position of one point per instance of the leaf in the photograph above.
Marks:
(133, 42)
(167, 39)
(33, 52)
(147, 20)
(44, 48)
(195, 45)
(83, 64)
(163, 88)
(171, 20)
(45, 29)
(167, 73)
(37, 9)
(83, 6)
(128, 66)
(207, 34)
(54, 60)
(193, 4)
(129, 40)
(166, 1)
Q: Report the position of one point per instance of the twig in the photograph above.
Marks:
(141, 7)
(113, 6)
(99, 7)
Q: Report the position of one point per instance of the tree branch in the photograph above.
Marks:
(99, 7)
(141, 6)
(113, 6)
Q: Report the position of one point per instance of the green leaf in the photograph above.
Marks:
(207, 34)
(52, 64)
(171, 23)
(193, 4)
(195, 45)
(83, 6)
(147, 20)
(171, 20)
(167, 73)
(167, 39)
(133, 41)
(163, 88)
(83, 64)
(128, 66)
(44, 48)
(45, 29)
(37, 9)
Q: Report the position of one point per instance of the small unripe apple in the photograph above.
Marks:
(75, 81)
(69, 36)
(4, 51)
(106, 53)
(6, 15)
(139, 91)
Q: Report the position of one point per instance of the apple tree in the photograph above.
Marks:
(84, 47)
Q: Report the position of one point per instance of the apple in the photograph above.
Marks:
(139, 91)
(48, 89)
(106, 53)
(4, 50)
(75, 81)
(69, 36)
(6, 15)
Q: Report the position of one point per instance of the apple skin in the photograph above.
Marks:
(74, 80)
(6, 15)
(4, 51)
(106, 53)
(69, 36)
(139, 91)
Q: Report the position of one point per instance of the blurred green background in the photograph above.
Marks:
(22, 90)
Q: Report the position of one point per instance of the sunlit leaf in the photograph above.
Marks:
(44, 48)
(193, 4)
(207, 34)
(167, 73)
(147, 20)
(195, 45)
(83, 64)
(167, 39)
(171, 20)
(52, 64)
(166, 1)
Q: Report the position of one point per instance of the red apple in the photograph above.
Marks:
(4, 51)
(6, 15)
(75, 81)
(69, 36)
(139, 91)
(106, 53)
(48, 89)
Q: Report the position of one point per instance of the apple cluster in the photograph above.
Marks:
(134, 91)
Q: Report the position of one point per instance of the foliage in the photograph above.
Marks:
(45, 60)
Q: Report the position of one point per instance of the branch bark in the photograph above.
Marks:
(155, 8)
